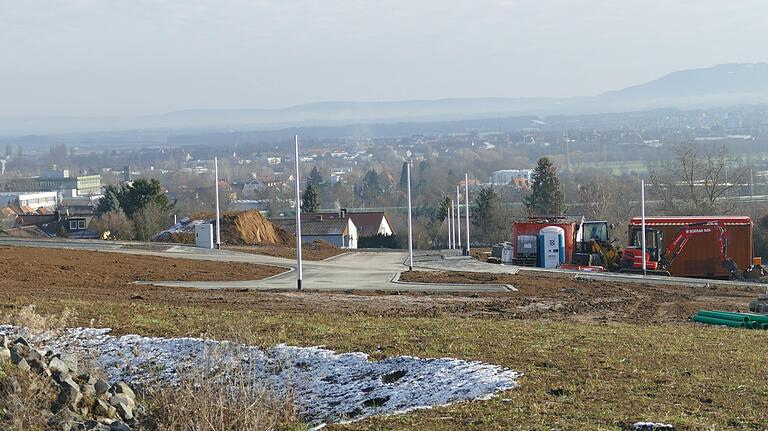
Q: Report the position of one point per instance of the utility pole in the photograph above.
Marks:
(410, 226)
(299, 273)
(218, 212)
(642, 200)
(466, 211)
(453, 228)
(458, 217)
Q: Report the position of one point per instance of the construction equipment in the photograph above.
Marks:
(658, 260)
(594, 248)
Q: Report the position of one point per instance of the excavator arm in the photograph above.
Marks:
(686, 233)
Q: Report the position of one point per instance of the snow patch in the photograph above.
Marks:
(326, 386)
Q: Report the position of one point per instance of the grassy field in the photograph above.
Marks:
(588, 361)
(577, 376)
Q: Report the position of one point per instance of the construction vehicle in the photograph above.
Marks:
(658, 259)
(593, 246)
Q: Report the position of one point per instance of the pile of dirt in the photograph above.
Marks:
(237, 228)
(249, 228)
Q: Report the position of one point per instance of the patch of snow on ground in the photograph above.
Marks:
(326, 386)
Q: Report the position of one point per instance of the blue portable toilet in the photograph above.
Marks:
(551, 247)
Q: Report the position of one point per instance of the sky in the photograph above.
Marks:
(142, 57)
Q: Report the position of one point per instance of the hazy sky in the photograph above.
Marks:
(125, 57)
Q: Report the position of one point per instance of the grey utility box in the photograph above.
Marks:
(204, 235)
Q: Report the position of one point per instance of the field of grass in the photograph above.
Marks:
(577, 375)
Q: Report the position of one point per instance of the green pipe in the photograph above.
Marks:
(724, 315)
(735, 315)
(757, 317)
(751, 324)
(716, 321)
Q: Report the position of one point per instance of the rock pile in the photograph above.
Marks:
(84, 401)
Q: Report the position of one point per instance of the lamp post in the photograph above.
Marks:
(466, 211)
(218, 212)
(410, 225)
(642, 204)
(299, 273)
(458, 217)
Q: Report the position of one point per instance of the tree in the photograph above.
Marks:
(371, 189)
(404, 177)
(141, 193)
(315, 179)
(694, 181)
(546, 195)
(488, 205)
(115, 223)
(150, 220)
(310, 200)
(443, 209)
(110, 202)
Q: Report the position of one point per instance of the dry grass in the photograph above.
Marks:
(26, 317)
(25, 399)
(220, 402)
(577, 376)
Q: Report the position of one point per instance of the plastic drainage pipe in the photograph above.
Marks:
(752, 324)
(716, 321)
(757, 318)
(724, 315)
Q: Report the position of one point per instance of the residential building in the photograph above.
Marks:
(507, 176)
(340, 232)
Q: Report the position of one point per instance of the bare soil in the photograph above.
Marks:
(30, 275)
(563, 297)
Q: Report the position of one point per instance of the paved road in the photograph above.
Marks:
(351, 271)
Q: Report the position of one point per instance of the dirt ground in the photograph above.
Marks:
(318, 250)
(88, 275)
(563, 297)
(34, 270)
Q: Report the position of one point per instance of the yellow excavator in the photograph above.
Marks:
(595, 248)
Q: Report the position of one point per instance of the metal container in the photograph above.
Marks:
(701, 256)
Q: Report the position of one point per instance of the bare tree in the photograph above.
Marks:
(115, 224)
(694, 180)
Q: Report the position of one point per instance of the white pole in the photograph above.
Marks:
(458, 217)
(218, 212)
(466, 211)
(299, 273)
(448, 222)
(410, 227)
(450, 226)
(642, 200)
(453, 229)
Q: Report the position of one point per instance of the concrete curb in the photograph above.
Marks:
(479, 286)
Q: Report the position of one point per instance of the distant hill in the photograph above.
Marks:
(719, 86)
(734, 78)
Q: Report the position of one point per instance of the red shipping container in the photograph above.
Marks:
(700, 257)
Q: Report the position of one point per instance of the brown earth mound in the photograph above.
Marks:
(237, 228)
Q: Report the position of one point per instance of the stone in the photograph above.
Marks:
(101, 386)
(124, 406)
(102, 408)
(87, 384)
(19, 352)
(123, 388)
(39, 367)
(119, 426)
(57, 364)
(69, 395)
(23, 365)
(3, 341)
(21, 341)
(69, 359)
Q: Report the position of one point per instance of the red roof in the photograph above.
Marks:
(367, 223)
(685, 220)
